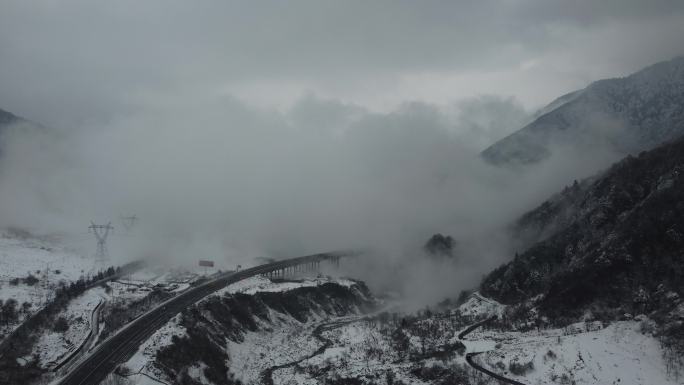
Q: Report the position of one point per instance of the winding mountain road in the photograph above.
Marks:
(267, 375)
(478, 367)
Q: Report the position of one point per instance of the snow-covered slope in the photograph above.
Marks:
(386, 348)
(479, 306)
(261, 284)
(53, 347)
(616, 242)
(30, 271)
(617, 354)
(624, 115)
(22, 256)
(259, 322)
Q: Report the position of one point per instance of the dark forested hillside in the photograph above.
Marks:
(617, 240)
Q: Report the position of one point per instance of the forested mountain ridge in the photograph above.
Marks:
(616, 240)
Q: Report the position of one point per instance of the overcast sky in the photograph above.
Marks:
(279, 128)
(74, 62)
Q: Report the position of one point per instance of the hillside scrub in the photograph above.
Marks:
(221, 318)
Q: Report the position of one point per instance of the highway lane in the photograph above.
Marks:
(122, 345)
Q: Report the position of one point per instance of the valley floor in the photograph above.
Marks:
(584, 353)
(366, 348)
(278, 342)
(617, 354)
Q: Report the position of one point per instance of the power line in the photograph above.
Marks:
(101, 233)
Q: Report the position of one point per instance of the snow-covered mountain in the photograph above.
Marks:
(625, 115)
(249, 330)
(310, 331)
(606, 249)
(608, 246)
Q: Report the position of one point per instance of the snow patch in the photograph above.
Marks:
(478, 305)
(618, 354)
(52, 346)
(141, 362)
(260, 283)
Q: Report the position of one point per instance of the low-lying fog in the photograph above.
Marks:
(196, 119)
(220, 179)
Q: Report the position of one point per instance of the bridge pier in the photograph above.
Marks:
(302, 267)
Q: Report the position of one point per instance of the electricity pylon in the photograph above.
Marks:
(129, 222)
(101, 233)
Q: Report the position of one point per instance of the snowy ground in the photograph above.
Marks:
(52, 347)
(284, 341)
(279, 342)
(18, 257)
(361, 347)
(46, 260)
(480, 306)
(260, 283)
(143, 372)
(617, 354)
(155, 276)
(359, 351)
(139, 284)
(136, 287)
(289, 340)
(582, 353)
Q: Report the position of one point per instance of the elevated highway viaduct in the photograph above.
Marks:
(95, 367)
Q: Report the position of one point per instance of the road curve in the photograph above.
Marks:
(469, 359)
(475, 326)
(121, 346)
(88, 341)
(476, 366)
(16, 336)
(267, 375)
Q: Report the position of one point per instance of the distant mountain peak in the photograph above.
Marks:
(627, 115)
(8, 117)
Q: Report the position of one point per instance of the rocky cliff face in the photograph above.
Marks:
(625, 115)
(616, 241)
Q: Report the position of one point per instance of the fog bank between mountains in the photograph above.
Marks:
(218, 178)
